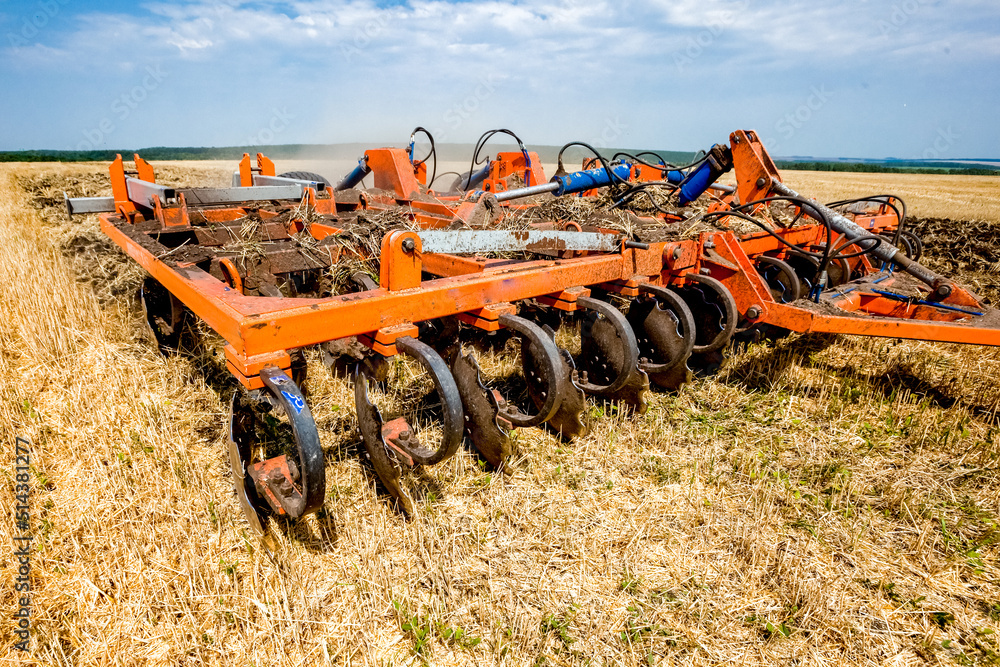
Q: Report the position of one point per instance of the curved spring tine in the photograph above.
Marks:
(240, 444)
(546, 373)
(370, 426)
(482, 425)
(310, 475)
(451, 402)
(668, 333)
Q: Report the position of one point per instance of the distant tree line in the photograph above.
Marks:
(864, 167)
(546, 153)
(161, 153)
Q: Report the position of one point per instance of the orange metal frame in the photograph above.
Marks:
(261, 330)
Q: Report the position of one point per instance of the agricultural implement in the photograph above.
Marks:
(649, 270)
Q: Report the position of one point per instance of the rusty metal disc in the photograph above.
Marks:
(664, 329)
(715, 315)
(568, 419)
(483, 425)
(805, 268)
(714, 311)
(913, 244)
(610, 355)
(541, 365)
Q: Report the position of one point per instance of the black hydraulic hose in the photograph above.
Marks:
(838, 253)
(641, 189)
(482, 142)
(699, 157)
(433, 152)
(804, 206)
(882, 200)
(612, 176)
(663, 164)
(455, 173)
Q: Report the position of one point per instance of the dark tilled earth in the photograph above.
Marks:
(968, 251)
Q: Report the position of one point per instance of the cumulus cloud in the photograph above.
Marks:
(564, 67)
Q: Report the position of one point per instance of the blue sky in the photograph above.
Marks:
(859, 78)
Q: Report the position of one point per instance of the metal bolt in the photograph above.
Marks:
(753, 312)
(678, 252)
(709, 245)
(705, 272)
(409, 245)
(761, 182)
(404, 435)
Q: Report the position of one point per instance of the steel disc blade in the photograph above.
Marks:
(610, 352)
(567, 421)
(164, 314)
(781, 279)
(540, 362)
(665, 329)
(481, 410)
(384, 463)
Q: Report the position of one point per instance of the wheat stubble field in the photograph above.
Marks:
(822, 501)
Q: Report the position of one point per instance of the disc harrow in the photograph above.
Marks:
(625, 275)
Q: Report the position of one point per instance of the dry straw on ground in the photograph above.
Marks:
(824, 500)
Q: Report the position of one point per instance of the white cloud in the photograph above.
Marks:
(563, 66)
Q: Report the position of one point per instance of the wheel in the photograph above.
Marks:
(305, 176)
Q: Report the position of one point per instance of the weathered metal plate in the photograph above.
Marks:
(209, 196)
(470, 242)
(78, 205)
(260, 180)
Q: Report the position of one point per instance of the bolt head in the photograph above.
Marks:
(753, 312)
(409, 245)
